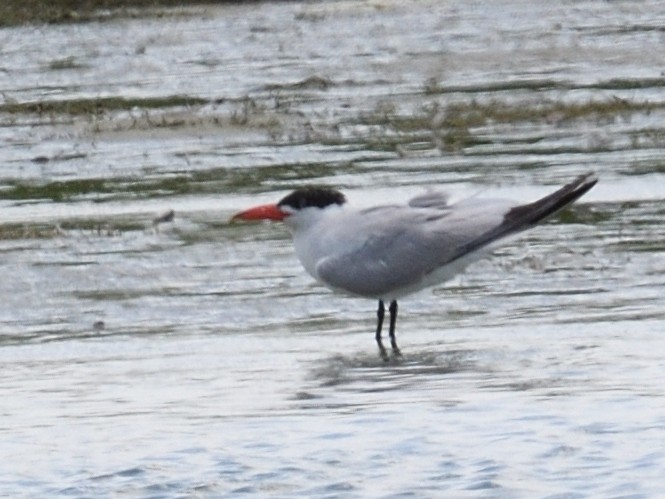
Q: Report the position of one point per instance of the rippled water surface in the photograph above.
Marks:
(193, 358)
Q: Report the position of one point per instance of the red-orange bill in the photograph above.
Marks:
(263, 212)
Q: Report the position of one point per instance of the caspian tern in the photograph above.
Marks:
(389, 251)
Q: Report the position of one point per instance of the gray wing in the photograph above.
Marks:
(405, 244)
(402, 247)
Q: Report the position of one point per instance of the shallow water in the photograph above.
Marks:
(194, 358)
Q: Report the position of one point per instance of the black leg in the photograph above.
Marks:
(393, 321)
(379, 314)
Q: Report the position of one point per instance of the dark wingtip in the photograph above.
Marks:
(528, 215)
(583, 183)
(525, 216)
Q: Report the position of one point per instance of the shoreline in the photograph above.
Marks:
(32, 12)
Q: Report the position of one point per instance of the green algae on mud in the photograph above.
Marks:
(96, 226)
(210, 181)
(56, 191)
(99, 188)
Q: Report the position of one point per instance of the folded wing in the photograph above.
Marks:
(404, 244)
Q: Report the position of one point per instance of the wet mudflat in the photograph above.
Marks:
(148, 357)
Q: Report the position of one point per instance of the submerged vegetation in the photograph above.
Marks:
(453, 127)
(11, 232)
(16, 12)
(456, 116)
(195, 182)
(98, 105)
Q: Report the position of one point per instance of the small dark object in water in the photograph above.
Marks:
(164, 218)
(99, 326)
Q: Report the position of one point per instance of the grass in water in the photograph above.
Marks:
(17, 12)
(98, 105)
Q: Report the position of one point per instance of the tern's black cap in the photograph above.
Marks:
(315, 197)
